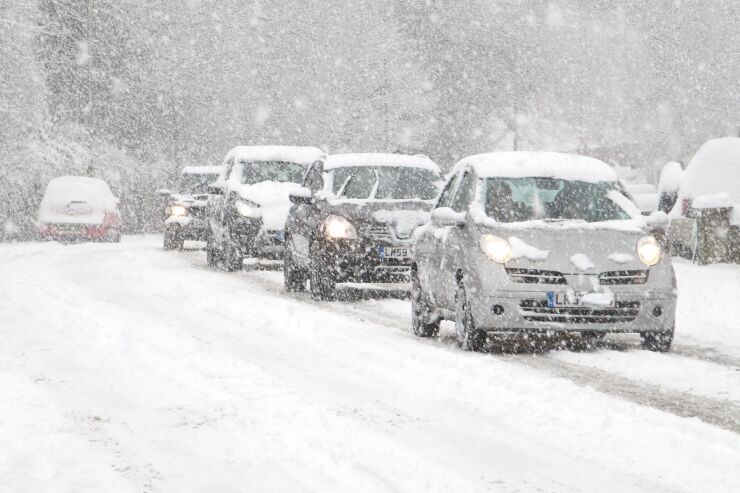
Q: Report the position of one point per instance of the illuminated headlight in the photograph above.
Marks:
(648, 249)
(339, 227)
(178, 210)
(497, 249)
(248, 209)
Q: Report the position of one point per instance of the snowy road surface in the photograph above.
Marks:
(127, 368)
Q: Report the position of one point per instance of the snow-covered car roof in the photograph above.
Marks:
(520, 164)
(62, 191)
(714, 169)
(201, 170)
(379, 159)
(290, 154)
(670, 177)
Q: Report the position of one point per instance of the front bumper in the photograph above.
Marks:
(529, 311)
(363, 262)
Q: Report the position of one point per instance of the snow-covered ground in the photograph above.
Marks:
(127, 368)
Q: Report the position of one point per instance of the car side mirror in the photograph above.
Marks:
(301, 196)
(165, 192)
(657, 220)
(215, 190)
(444, 216)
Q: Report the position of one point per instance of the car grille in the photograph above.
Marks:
(535, 276)
(536, 310)
(377, 232)
(197, 212)
(623, 277)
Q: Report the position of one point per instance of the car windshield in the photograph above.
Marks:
(280, 171)
(524, 199)
(385, 183)
(195, 184)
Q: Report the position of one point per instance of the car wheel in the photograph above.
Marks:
(212, 254)
(293, 278)
(323, 279)
(657, 341)
(469, 338)
(233, 258)
(172, 240)
(421, 312)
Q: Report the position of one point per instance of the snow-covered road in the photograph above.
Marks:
(127, 368)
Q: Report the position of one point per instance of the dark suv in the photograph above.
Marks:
(354, 219)
(248, 204)
(185, 214)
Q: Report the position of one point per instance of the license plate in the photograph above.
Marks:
(572, 299)
(395, 252)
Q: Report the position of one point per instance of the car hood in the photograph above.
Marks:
(273, 199)
(401, 217)
(572, 250)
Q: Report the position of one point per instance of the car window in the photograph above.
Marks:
(314, 180)
(228, 168)
(551, 199)
(464, 194)
(448, 194)
(276, 171)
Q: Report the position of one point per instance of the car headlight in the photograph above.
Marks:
(497, 249)
(339, 227)
(178, 210)
(649, 251)
(248, 209)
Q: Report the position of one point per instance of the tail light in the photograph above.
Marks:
(685, 207)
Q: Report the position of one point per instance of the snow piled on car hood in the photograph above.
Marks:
(404, 221)
(273, 199)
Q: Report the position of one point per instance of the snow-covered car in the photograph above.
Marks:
(185, 214)
(354, 219)
(668, 185)
(539, 243)
(79, 208)
(248, 204)
(705, 221)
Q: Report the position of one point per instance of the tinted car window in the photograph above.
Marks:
(384, 183)
(257, 172)
(464, 194)
(314, 180)
(524, 199)
(445, 200)
(192, 184)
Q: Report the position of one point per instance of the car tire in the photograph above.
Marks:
(323, 279)
(657, 341)
(172, 240)
(469, 338)
(294, 278)
(421, 312)
(213, 256)
(233, 258)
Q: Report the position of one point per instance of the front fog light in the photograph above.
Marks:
(497, 249)
(179, 210)
(339, 227)
(248, 209)
(648, 249)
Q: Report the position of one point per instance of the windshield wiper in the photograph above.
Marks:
(340, 192)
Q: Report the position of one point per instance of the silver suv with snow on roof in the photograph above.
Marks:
(353, 221)
(535, 242)
(248, 203)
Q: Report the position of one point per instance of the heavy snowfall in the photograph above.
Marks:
(490, 245)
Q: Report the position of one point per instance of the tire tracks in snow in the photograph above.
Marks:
(717, 412)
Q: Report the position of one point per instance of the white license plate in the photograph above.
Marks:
(395, 252)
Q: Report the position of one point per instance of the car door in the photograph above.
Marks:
(215, 202)
(453, 244)
(303, 218)
(429, 253)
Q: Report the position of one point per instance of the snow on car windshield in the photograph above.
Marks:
(524, 199)
(384, 183)
(194, 184)
(277, 171)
